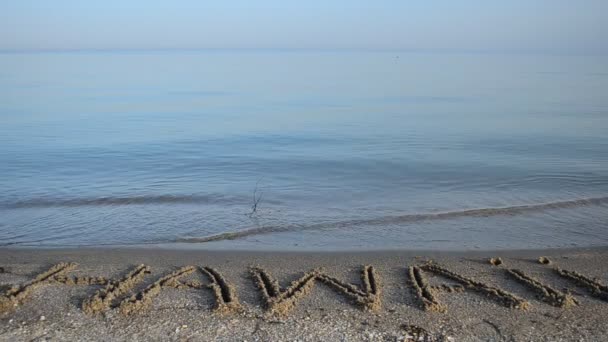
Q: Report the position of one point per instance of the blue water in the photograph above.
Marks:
(349, 149)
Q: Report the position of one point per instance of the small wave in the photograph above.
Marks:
(409, 218)
(127, 200)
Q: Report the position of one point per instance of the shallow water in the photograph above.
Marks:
(365, 150)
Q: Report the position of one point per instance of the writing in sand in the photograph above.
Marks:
(119, 294)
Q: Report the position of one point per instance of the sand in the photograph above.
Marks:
(160, 294)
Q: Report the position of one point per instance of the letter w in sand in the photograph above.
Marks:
(280, 301)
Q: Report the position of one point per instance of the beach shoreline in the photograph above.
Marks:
(367, 295)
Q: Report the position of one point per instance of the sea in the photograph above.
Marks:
(315, 150)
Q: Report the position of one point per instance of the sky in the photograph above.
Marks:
(486, 25)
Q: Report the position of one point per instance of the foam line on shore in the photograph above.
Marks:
(408, 218)
(123, 200)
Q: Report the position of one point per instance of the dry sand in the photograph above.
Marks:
(160, 295)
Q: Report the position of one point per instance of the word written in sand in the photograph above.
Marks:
(119, 294)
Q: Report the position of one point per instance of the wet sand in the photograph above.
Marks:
(160, 294)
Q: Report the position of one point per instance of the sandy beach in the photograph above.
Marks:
(160, 294)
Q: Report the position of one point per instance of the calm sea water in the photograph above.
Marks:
(349, 150)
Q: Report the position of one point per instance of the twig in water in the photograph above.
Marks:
(256, 198)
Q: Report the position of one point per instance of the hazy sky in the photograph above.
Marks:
(513, 25)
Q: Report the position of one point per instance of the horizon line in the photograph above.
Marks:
(310, 49)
